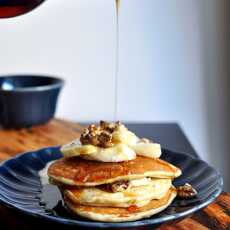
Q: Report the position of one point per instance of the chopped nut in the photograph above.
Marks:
(103, 124)
(92, 128)
(85, 130)
(105, 139)
(99, 135)
(119, 186)
(115, 187)
(94, 140)
(84, 139)
(186, 191)
(107, 126)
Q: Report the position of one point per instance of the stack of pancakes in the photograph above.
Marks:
(113, 191)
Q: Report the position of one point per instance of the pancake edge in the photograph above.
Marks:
(153, 174)
(126, 202)
(116, 218)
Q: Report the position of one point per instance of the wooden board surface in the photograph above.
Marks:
(57, 132)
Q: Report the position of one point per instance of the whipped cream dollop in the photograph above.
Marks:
(121, 145)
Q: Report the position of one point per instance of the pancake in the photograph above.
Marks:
(80, 172)
(108, 214)
(133, 195)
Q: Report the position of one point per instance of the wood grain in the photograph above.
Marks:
(58, 132)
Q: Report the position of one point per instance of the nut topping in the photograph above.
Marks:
(99, 135)
(92, 128)
(105, 139)
(119, 186)
(186, 191)
(110, 127)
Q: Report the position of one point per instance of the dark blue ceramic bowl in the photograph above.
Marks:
(27, 100)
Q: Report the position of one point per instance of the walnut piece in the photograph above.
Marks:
(99, 135)
(186, 191)
(105, 139)
(110, 127)
(118, 186)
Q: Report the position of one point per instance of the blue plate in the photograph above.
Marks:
(21, 189)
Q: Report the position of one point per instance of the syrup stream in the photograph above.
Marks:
(117, 2)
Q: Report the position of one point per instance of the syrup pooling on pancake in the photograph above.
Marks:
(110, 142)
(80, 172)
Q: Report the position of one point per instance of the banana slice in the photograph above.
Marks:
(123, 135)
(75, 148)
(118, 153)
(151, 150)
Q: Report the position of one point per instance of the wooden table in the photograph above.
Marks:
(57, 132)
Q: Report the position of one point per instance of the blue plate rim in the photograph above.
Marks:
(138, 223)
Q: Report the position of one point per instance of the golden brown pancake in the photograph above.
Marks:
(80, 172)
(134, 195)
(108, 214)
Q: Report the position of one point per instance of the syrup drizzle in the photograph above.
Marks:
(117, 2)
